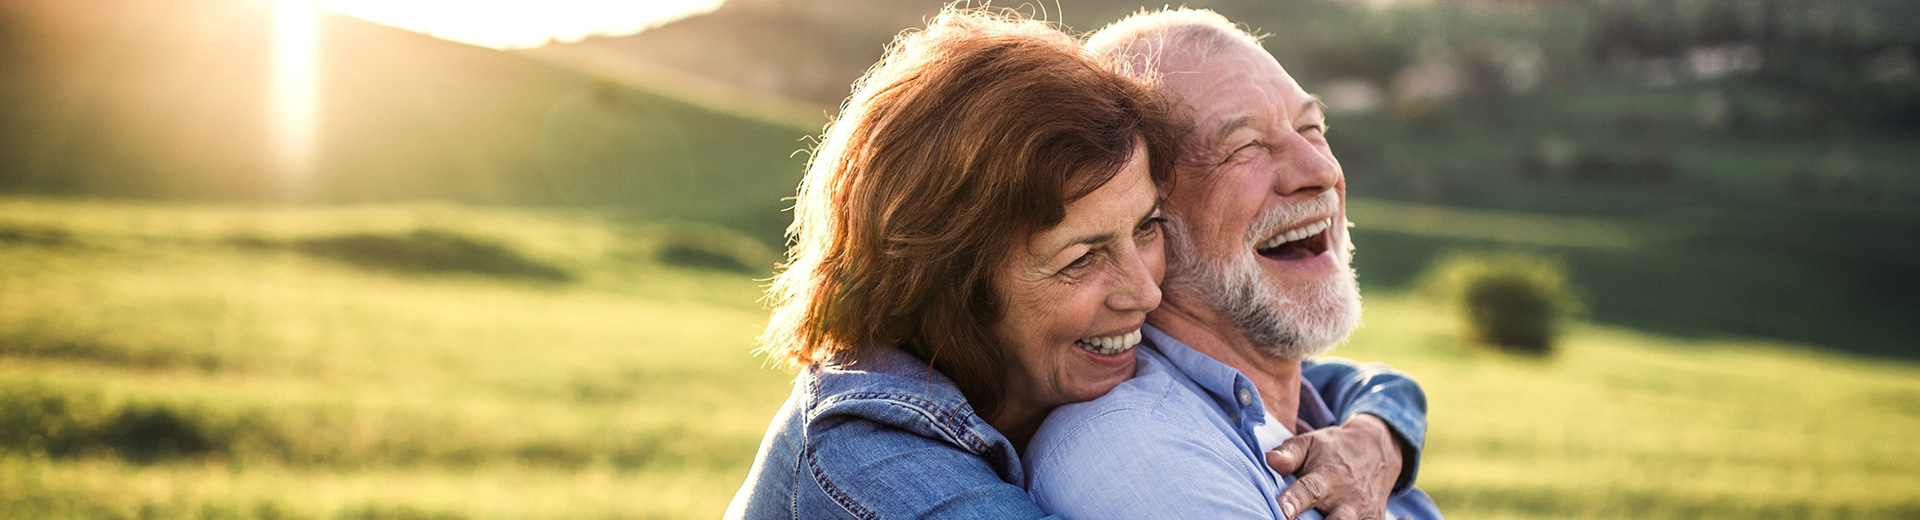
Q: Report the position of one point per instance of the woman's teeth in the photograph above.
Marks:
(1298, 233)
(1109, 345)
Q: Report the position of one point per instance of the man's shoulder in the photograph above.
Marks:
(1154, 447)
(1158, 405)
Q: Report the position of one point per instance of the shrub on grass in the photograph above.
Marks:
(42, 422)
(1511, 301)
(43, 237)
(713, 247)
(431, 251)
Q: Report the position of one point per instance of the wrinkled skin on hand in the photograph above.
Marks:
(1346, 472)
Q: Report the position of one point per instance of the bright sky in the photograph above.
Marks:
(508, 24)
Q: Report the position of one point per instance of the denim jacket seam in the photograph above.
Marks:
(839, 497)
(948, 422)
(805, 456)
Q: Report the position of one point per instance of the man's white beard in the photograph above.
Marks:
(1290, 323)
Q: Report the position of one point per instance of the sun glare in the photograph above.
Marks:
(499, 24)
(295, 64)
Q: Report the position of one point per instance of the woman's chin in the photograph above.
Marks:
(1102, 373)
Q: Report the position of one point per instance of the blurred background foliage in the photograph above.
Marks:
(522, 283)
(1511, 301)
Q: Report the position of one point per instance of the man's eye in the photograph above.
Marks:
(1242, 153)
(1316, 128)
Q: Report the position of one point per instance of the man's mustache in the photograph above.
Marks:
(1271, 221)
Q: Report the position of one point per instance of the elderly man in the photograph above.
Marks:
(1257, 280)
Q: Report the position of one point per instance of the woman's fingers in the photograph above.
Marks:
(1291, 454)
(1305, 493)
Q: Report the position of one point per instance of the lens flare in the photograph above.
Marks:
(295, 85)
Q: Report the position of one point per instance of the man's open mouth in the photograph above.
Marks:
(1306, 241)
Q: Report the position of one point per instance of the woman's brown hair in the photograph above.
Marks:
(968, 137)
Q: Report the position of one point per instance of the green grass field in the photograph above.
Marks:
(163, 361)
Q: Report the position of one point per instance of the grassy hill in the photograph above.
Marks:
(445, 361)
(169, 101)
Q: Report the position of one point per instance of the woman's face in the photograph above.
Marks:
(1075, 296)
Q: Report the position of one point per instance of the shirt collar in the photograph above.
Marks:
(1223, 382)
(1218, 379)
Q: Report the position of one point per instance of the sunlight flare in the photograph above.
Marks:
(295, 87)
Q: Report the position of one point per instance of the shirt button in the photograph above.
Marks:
(1246, 397)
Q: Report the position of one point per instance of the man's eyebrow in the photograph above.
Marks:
(1227, 127)
(1313, 102)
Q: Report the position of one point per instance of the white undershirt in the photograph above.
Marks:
(1269, 433)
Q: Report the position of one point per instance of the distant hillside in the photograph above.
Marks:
(169, 100)
(810, 52)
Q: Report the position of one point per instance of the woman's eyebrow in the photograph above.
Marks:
(1155, 208)
(1108, 237)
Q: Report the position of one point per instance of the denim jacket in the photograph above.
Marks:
(887, 437)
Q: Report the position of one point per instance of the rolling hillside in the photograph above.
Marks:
(168, 100)
(160, 361)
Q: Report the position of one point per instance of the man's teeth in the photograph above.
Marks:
(1109, 345)
(1299, 233)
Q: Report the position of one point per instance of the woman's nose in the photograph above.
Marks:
(1136, 289)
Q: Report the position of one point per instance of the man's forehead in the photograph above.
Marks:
(1243, 74)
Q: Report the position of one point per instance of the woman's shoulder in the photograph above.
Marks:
(883, 376)
(869, 469)
(900, 395)
(880, 428)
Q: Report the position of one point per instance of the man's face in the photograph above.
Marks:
(1258, 231)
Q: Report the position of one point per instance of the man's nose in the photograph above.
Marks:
(1136, 289)
(1301, 168)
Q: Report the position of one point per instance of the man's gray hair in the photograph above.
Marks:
(1136, 43)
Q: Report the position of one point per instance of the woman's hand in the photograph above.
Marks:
(1346, 471)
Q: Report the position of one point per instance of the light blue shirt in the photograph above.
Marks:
(1179, 440)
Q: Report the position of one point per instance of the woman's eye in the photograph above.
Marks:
(1150, 226)
(1083, 262)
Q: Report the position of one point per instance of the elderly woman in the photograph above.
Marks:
(977, 241)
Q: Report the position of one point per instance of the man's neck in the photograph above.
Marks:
(1197, 325)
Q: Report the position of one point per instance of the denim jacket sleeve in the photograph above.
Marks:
(873, 470)
(1375, 389)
